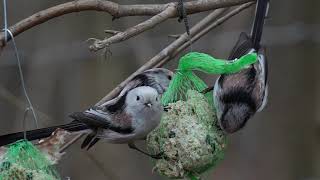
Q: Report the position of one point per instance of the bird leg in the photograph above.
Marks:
(166, 108)
(208, 89)
(154, 156)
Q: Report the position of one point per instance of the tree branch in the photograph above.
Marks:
(196, 32)
(135, 30)
(166, 53)
(116, 10)
(204, 32)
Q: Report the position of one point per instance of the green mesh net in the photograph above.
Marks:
(185, 79)
(187, 135)
(23, 161)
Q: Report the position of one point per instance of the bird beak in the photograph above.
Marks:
(148, 104)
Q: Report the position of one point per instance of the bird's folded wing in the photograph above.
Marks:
(116, 122)
(242, 47)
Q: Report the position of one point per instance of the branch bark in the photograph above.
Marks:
(180, 44)
(114, 9)
(204, 32)
(135, 30)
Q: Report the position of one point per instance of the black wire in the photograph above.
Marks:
(183, 15)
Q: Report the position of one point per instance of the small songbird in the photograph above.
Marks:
(239, 96)
(126, 120)
(153, 80)
(157, 78)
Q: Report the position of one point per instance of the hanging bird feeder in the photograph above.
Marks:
(23, 161)
(188, 136)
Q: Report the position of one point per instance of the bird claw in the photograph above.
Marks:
(166, 108)
(154, 156)
(157, 156)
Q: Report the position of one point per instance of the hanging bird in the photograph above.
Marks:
(239, 96)
(156, 79)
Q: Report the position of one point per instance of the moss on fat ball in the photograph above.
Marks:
(188, 137)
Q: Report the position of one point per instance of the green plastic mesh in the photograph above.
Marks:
(23, 161)
(187, 135)
(185, 79)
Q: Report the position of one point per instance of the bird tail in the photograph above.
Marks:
(262, 8)
(40, 133)
(247, 43)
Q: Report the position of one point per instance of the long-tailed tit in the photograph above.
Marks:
(239, 96)
(157, 78)
(137, 113)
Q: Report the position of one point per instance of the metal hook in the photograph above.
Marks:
(24, 123)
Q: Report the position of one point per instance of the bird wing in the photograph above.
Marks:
(242, 47)
(97, 119)
(143, 80)
(263, 65)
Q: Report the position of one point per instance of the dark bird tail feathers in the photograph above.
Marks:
(41, 133)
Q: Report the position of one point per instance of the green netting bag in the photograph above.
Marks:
(188, 136)
(23, 161)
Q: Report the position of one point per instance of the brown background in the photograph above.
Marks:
(62, 76)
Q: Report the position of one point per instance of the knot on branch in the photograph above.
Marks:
(97, 44)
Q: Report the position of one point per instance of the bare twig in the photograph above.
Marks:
(112, 32)
(116, 10)
(174, 36)
(73, 140)
(166, 53)
(204, 32)
(135, 30)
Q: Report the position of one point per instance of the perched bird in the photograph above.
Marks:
(157, 78)
(239, 96)
(126, 120)
(153, 80)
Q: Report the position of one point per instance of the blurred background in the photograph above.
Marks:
(63, 76)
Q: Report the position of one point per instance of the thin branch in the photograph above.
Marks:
(135, 30)
(179, 45)
(174, 36)
(205, 31)
(112, 32)
(116, 10)
(166, 53)
(72, 141)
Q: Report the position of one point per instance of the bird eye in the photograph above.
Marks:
(169, 77)
(138, 98)
(156, 98)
